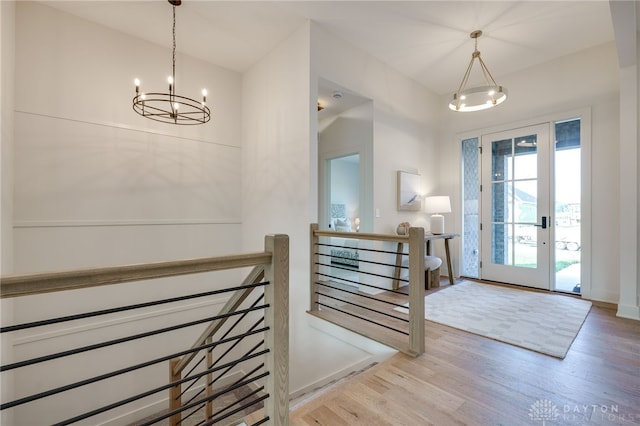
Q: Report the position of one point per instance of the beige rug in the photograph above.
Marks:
(542, 322)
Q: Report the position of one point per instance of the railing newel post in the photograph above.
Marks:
(416, 289)
(314, 269)
(276, 318)
(209, 385)
(175, 400)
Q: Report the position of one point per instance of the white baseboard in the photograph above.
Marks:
(628, 311)
(326, 381)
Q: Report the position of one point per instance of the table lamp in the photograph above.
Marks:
(437, 205)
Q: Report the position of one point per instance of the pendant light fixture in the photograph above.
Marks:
(169, 107)
(477, 98)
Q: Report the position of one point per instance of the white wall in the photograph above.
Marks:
(95, 184)
(280, 186)
(279, 157)
(7, 62)
(87, 166)
(588, 79)
(626, 24)
(7, 40)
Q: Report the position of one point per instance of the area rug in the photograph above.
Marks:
(542, 322)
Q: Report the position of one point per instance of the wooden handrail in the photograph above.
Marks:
(38, 283)
(363, 236)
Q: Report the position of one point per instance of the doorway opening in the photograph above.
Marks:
(345, 159)
(515, 216)
(514, 223)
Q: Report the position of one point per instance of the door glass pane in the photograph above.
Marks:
(526, 201)
(500, 202)
(514, 201)
(567, 206)
(525, 252)
(526, 157)
(501, 247)
(501, 154)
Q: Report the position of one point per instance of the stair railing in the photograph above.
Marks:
(354, 281)
(270, 273)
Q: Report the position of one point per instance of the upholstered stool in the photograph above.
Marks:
(431, 271)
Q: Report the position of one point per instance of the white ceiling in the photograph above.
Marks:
(425, 40)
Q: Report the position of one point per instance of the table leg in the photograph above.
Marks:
(398, 269)
(446, 249)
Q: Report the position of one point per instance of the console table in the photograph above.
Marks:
(428, 237)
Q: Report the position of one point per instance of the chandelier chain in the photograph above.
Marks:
(173, 64)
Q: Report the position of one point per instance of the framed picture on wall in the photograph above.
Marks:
(409, 198)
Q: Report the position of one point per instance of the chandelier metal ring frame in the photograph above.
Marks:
(481, 97)
(169, 107)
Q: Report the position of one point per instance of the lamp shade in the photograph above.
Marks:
(437, 204)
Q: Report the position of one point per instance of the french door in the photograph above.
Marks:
(516, 207)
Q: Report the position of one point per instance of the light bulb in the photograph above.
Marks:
(492, 92)
(463, 97)
(170, 80)
(204, 92)
(176, 105)
(136, 82)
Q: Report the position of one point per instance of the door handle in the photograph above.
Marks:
(543, 225)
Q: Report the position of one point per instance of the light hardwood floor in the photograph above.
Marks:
(464, 379)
